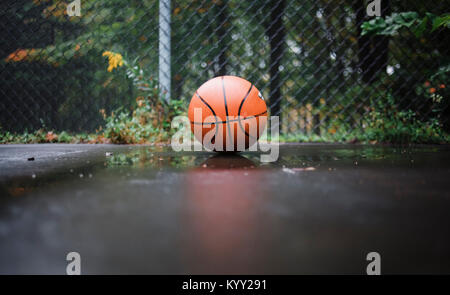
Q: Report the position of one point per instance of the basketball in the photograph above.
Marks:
(227, 113)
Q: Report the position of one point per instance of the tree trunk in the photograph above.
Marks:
(277, 34)
(222, 36)
(373, 50)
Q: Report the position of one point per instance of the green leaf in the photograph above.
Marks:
(418, 30)
(439, 21)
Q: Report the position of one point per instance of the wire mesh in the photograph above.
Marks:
(307, 57)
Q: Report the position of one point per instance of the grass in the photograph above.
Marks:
(413, 132)
(42, 136)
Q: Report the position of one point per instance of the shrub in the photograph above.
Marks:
(150, 119)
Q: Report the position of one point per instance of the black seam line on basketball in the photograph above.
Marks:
(232, 120)
(214, 113)
(226, 111)
(240, 108)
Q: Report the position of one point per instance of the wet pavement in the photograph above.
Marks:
(319, 209)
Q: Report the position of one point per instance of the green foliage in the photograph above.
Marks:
(433, 91)
(43, 136)
(390, 25)
(320, 60)
(386, 123)
(150, 120)
(126, 128)
(147, 123)
(442, 73)
(436, 91)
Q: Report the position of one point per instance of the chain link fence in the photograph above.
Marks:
(308, 58)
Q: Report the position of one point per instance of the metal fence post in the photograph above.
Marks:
(164, 48)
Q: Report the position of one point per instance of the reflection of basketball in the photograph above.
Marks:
(233, 114)
(223, 202)
(227, 161)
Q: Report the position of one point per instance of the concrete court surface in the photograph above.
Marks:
(149, 210)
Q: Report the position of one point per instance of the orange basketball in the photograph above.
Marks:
(227, 113)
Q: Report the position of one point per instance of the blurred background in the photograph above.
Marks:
(330, 71)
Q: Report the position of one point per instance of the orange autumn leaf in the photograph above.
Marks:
(23, 54)
(50, 136)
(18, 55)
